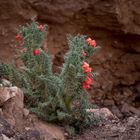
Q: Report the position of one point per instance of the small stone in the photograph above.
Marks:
(122, 129)
(114, 128)
(131, 121)
(5, 137)
(26, 112)
(27, 128)
(12, 139)
(6, 83)
(66, 134)
(1, 85)
(103, 113)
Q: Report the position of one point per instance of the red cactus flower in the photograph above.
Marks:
(88, 80)
(85, 64)
(85, 85)
(40, 27)
(86, 67)
(36, 52)
(18, 37)
(93, 43)
(88, 40)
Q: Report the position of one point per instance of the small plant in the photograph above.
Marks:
(60, 97)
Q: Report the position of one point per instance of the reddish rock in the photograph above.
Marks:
(103, 113)
(5, 94)
(12, 107)
(17, 118)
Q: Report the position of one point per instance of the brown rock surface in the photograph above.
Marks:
(113, 130)
(5, 94)
(115, 24)
(49, 131)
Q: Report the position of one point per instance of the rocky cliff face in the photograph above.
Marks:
(115, 24)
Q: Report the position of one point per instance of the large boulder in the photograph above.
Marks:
(17, 123)
(12, 105)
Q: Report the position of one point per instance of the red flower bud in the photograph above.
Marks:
(86, 67)
(40, 27)
(93, 43)
(88, 80)
(85, 85)
(88, 40)
(85, 64)
(18, 37)
(36, 52)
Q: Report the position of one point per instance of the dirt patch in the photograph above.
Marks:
(128, 129)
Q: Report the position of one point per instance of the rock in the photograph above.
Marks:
(27, 128)
(118, 129)
(35, 129)
(17, 119)
(6, 83)
(135, 111)
(5, 128)
(41, 131)
(131, 121)
(116, 111)
(125, 108)
(127, 92)
(26, 112)
(103, 113)
(49, 131)
(5, 94)
(29, 135)
(4, 137)
(12, 139)
(130, 109)
(13, 106)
